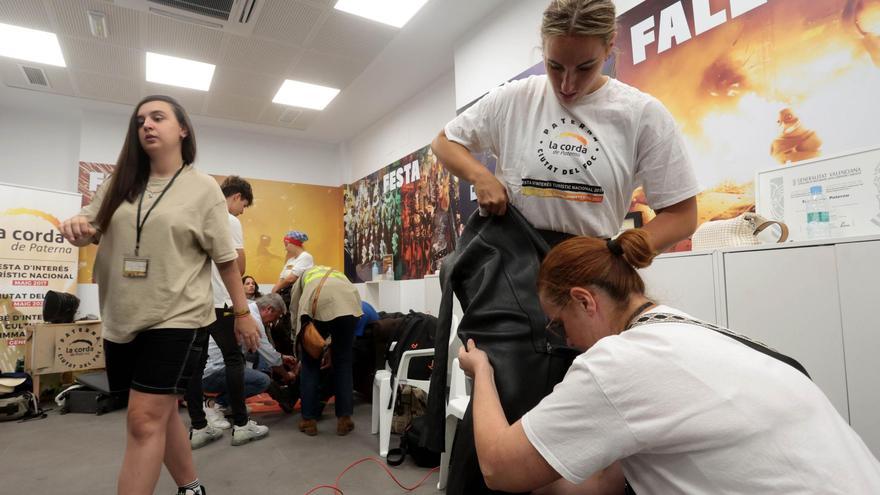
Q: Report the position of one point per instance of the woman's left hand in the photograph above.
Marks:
(473, 360)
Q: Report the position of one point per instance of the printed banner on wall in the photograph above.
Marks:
(756, 84)
(411, 209)
(34, 258)
(278, 207)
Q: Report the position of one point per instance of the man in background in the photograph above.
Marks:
(208, 424)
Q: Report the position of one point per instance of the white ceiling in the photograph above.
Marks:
(376, 66)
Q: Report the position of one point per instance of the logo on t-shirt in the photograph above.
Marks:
(566, 151)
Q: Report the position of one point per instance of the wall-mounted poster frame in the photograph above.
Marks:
(850, 181)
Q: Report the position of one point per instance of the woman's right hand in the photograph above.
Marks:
(473, 360)
(491, 194)
(78, 231)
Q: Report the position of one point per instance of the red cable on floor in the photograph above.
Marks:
(335, 486)
(325, 486)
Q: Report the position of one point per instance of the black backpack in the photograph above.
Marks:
(417, 332)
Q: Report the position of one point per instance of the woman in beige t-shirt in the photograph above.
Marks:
(159, 223)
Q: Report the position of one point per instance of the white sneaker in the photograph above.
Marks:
(204, 436)
(248, 433)
(216, 417)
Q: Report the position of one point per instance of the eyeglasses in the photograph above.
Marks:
(555, 327)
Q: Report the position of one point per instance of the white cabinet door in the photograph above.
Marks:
(788, 299)
(412, 295)
(858, 267)
(683, 282)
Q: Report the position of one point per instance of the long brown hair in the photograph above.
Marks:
(133, 165)
(588, 261)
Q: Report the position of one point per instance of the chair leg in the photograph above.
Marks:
(451, 425)
(385, 414)
(382, 377)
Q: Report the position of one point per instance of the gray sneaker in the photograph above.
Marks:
(204, 436)
(248, 433)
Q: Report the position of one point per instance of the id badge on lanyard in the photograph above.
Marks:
(137, 266)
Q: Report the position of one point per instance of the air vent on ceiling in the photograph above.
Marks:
(35, 76)
(235, 16)
(289, 115)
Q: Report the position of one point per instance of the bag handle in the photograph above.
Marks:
(396, 456)
(318, 292)
(767, 223)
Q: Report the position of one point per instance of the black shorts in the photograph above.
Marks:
(157, 361)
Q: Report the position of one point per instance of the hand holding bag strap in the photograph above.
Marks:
(766, 223)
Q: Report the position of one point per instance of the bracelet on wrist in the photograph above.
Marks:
(241, 314)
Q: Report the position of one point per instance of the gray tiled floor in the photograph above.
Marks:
(81, 454)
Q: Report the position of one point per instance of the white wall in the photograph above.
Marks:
(405, 129)
(43, 137)
(38, 148)
(224, 151)
(508, 43)
(495, 51)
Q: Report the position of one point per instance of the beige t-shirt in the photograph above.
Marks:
(188, 228)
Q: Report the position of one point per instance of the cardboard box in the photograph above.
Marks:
(63, 347)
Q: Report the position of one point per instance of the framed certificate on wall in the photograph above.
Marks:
(850, 182)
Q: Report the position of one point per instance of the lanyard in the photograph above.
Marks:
(637, 312)
(139, 224)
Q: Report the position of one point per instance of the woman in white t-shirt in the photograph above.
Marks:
(298, 260)
(574, 144)
(684, 407)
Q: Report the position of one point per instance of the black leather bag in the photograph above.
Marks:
(493, 272)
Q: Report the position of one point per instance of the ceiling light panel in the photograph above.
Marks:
(174, 71)
(392, 12)
(304, 95)
(31, 45)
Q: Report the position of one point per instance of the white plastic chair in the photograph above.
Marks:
(385, 395)
(383, 390)
(459, 398)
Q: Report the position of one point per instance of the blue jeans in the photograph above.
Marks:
(342, 331)
(255, 382)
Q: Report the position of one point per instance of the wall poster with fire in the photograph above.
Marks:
(756, 84)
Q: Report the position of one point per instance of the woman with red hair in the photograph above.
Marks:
(682, 406)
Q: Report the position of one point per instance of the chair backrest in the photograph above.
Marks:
(458, 387)
(454, 346)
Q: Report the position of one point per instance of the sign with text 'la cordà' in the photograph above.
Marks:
(34, 258)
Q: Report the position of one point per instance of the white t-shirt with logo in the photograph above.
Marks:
(573, 169)
(297, 266)
(221, 295)
(688, 410)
